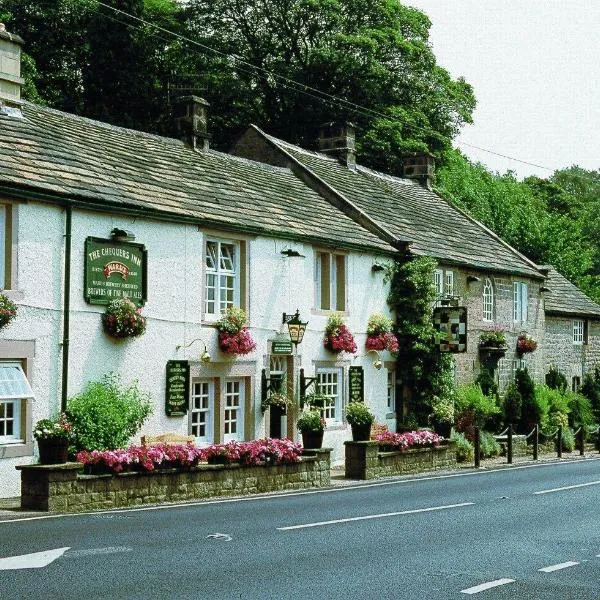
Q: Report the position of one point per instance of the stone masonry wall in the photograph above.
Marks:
(364, 461)
(62, 488)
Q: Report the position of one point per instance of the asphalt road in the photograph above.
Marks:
(531, 532)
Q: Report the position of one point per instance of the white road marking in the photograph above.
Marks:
(36, 560)
(223, 537)
(553, 568)
(567, 487)
(486, 586)
(379, 516)
(96, 551)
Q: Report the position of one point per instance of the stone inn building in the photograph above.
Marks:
(270, 228)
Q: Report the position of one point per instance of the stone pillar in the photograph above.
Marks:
(43, 486)
(361, 460)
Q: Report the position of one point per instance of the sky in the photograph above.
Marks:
(535, 69)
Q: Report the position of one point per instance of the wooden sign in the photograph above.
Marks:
(356, 377)
(177, 388)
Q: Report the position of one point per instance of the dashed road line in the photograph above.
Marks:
(486, 586)
(567, 487)
(378, 516)
(558, 567)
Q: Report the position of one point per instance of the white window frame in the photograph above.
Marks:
(233, 414)
(15, 399)
(487, 299)
(216, 306)
(578, 331)
(202, 415)
(443, 282)
(330, 382)
(336, 283)
(520, 302)
(391, 390)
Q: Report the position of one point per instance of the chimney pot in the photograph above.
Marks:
(337, 139)
(191, 118)
(10, 71)
(419, 166)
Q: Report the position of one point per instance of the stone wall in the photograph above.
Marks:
(63, 488)
(365, 461)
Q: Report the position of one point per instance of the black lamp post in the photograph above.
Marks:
(295, 326)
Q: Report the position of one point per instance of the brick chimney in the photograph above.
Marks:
(419, 166)
(337, 139)
(10, 72)
(191, 118)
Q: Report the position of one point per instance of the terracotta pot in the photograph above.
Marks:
(312, 439)
(54, 451)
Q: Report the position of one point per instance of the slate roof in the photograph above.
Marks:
(565, 298)
(410, 212)
(66, 156)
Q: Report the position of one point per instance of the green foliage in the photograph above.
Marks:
(311, 420)
(590, 388)
(471, 399)
(464, 448)
(568, 440)
(107, 414)
(580, 410)
(512, 404)
(378, 323)
(530, 412)
(233, 321)
(358, 413)
(485, 380)
(488, 445)
(556, 380)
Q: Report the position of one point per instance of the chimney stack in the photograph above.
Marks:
(191, 118)
(10, 72)
(419, 166)
(337, 139)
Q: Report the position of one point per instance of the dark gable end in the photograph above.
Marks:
(564, 298)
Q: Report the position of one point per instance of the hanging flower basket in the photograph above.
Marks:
(8, 310)
(525, 344)
(123, 319)
(338, 338)
(234, 336)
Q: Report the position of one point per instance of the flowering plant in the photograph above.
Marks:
(492, 338)
(275, 399)
(442, 410)
(358, 413)
(338, 338)
(311, 420)
(8, 310)
(402, 441)
(52, 429)
(122, 319)
(525, 344)
(234, 337)
(379, 333)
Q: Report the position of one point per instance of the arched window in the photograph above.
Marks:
(488, 301)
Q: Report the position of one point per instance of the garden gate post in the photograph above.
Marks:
(477, 444)
(559, 443)
(536, 441)
(509, 444)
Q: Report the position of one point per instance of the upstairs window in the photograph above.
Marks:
(444, 284)
(6, 243)
(222, 281)
(520, 302)
(330, 280)
(488, 301)
(579, 331)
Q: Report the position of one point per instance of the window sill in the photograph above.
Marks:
(336, 427)
(16, 449)
(14, 294)
(325, 313)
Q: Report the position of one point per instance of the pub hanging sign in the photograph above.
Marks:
(114, 270)
(356, 380)
(177, 388)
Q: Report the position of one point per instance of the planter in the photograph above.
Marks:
(217, 460)
(312, 439)
(53, 452)
(361, 433)
(443, 428)
(490, 355)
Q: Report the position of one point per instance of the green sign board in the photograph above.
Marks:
(114, 270)
(281, 347)
(177, 388)
(356, 377)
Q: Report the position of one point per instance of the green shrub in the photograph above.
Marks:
(580, 410)
(530, 413)
(464, 448)
(512, 403)
(591, 390)
(556, 380)
(107, 414)
(471, 399)
(488, 445)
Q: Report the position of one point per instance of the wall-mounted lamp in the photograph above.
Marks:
(472, 278)
(204, 355)
(543, 288)
(376, 268)
(290, 253)
(377, 363)
(122, 235)
(295, 326)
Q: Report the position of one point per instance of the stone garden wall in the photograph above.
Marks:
(365, 461)
(63, 488)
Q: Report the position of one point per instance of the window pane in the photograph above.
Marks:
(9, 420)
(227, 257)
(2, 246)
(211, 255)
(340, 282)
(488, 301)
(202, 410)
(449, 283)
(234, 410)
(325, 283)
(328, 385)
(13, 383)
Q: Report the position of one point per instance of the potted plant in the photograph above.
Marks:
(493, 337)
(123, 319)
(442, 415)
(311, 425)
(8, 310)
(276, 399)
(379, 334)
(234, 336)
(53, 437)
(525, 344)
(360, 418)
(338, 338)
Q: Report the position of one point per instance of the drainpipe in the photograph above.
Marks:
(66, 310)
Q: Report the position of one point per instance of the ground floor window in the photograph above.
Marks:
(330, 384)
(14, 393)
(391, 390)
(202, 410)
(234, 410)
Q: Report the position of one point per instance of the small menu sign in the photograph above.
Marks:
(281, 347)
(177, 388)
(356, 376)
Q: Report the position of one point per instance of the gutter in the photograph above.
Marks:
(66, 309)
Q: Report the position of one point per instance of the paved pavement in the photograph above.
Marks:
(10, 508)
